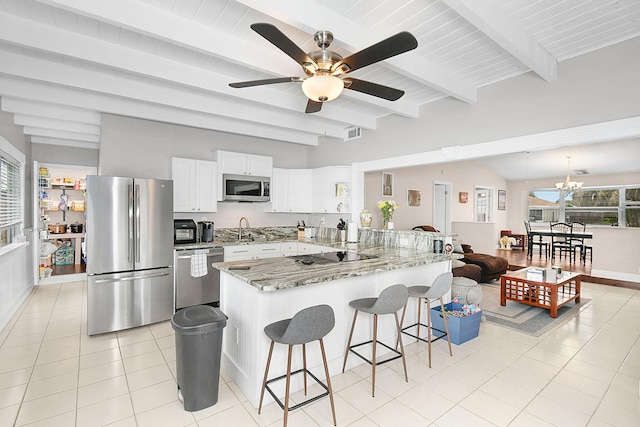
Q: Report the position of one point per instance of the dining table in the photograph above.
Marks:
(549, 233)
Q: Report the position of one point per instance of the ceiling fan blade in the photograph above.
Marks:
(284, 43)
(313, 106)
(265, 82)
(394, 45)
(374, 89)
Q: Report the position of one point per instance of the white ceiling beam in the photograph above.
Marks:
(23, 32)
(52, 133)
(354, 37)
(55, 124)
(94, 81)
(45, 38)
(64, 142)
(154, 22)
(496, 24)
(614, 130)
(49, 110)
(34, 91)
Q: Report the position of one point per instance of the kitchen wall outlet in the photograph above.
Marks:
(236, 334)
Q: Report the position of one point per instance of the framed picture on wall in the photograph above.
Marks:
(387, 184)
(502, 200)
(413, 197)
(464, 197)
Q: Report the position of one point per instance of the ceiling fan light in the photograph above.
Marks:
(322, 88)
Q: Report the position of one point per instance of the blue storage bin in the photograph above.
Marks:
(461, 329)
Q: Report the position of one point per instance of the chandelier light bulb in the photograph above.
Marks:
(322, 88)
(568, 184)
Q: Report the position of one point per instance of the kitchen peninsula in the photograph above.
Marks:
(257, 292)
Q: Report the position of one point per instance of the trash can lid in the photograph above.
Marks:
(198, 318)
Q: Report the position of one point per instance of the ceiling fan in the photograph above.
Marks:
(324, 67)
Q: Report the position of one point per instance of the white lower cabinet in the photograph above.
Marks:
(272, 250)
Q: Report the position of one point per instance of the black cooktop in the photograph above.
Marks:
(330, 257)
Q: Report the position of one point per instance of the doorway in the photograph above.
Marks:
(442, 206)
(59, 196)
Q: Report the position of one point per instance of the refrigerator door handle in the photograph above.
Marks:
(137, 227)
(130, 225)
(131, 278)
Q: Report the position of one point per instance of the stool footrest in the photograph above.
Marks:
(435, 338)
(313, 399)
(396, 352)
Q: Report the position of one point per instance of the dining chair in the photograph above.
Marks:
(578, 242)
(531, 243)
(562, 242)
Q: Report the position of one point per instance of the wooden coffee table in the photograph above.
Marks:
(516, 286)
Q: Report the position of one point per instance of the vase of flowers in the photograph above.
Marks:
(387, 207)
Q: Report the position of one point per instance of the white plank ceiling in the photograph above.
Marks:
(64, 62)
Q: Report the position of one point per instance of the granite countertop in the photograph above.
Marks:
(272, 274)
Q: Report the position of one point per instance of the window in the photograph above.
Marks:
(10, 200)
(632, 206)
(594, 206)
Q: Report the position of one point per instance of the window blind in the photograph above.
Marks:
(10, 193)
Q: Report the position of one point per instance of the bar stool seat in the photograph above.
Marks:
(309, 324)
(440, 286)
(390, 301)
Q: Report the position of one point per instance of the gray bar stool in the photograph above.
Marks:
(309, 324)
(439, 287)
(391, 300)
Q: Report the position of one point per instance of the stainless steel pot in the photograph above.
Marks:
(57, 228)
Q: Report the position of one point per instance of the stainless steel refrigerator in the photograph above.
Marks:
(129, 248)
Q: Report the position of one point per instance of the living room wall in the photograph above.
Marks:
(463, 176)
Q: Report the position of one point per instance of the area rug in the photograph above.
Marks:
(521, 317)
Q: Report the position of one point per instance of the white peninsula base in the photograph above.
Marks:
(245, 346)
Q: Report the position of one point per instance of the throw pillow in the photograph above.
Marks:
(457, 247)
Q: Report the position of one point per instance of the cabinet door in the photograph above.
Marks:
(319, 186)
(183, 173)
(206, 176)
(279, 192)
(299, 190)
(230, 162)
(258, 165)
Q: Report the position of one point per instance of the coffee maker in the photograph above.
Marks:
(205, 231)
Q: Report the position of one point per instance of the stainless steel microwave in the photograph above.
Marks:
(245, 188)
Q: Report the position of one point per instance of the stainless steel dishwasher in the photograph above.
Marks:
(190, 290)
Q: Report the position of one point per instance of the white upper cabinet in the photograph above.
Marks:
(291, 190)
(194, 185)
(243, 164)
(332, 189)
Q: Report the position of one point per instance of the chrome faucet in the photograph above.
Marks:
(246, 221)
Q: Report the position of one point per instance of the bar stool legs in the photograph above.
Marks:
(391, 300)
(308, 325)
(441, 285)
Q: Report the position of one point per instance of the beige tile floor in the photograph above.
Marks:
(584, 373)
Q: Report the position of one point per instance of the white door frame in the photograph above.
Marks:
(36, 224)
(441, 217)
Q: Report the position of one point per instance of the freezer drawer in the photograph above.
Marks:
(126, 300)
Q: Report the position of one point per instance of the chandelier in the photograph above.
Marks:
(568, 184)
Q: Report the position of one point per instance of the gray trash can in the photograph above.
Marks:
(198, 351)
